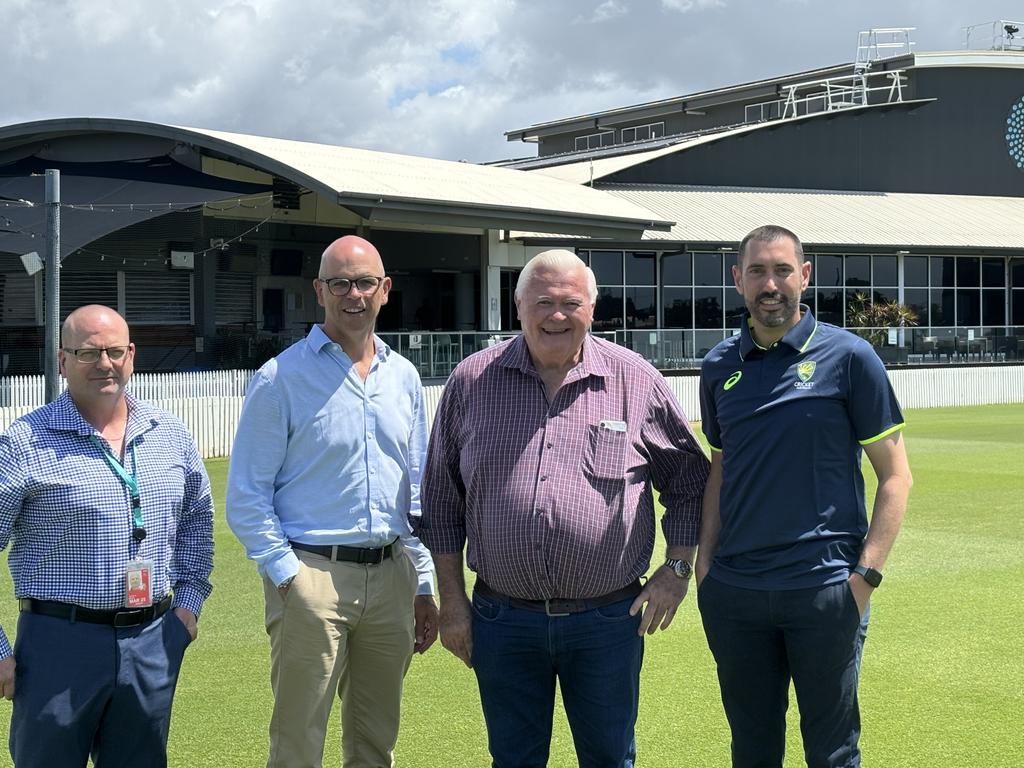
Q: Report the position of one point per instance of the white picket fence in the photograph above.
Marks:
(209, 403)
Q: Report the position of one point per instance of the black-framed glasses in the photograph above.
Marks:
(340, 286)
(93, 354)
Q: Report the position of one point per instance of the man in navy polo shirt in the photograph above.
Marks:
(787, 561)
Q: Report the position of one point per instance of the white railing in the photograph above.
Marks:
(211, 413)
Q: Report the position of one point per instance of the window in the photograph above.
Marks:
(236, 297)
(595, 140)
(643, 132)
(158, 297)
(80, 288)
(627, 296)
(17, 299)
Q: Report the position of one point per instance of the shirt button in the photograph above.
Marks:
(550, 445)
(543, 478)
(369, 435)
(373, 471)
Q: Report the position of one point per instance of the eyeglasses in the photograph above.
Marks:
(93, 354)
(340, 286)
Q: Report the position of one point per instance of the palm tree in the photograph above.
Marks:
(872, 320)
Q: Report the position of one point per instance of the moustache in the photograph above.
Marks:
(774, 296)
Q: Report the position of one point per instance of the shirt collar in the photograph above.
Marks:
(797, 337)
(64, 416)
(317, 340)
(593, 364)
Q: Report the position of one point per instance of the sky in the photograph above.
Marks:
(438, 78)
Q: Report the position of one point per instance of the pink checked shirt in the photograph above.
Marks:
(556, 500)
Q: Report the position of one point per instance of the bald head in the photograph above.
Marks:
(350, 249)
(92, 319)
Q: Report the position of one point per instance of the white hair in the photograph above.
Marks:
(556, 260)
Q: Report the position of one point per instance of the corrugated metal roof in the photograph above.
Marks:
(883, 219)
(388, 187)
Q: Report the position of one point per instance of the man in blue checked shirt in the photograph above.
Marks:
(324, 481)
(107, 507)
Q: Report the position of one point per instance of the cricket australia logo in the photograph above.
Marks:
(804, 372)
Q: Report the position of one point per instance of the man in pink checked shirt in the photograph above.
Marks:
(544, 456)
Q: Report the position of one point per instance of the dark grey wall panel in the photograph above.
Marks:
(954, 145)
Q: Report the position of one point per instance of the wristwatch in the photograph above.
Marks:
(680, 568)
(286, 583)
(870, 575)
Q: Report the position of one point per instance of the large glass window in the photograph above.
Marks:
(677, 307)
(884, 271)
(608, 310)
(943, 271)
(858, 270)
(993, 273)
(915, 271)
(677, 269)
(641, 308)
(707, 304)
(993, 307)
(607, 266)
(968, 272)
(707, 269)
(829, 269)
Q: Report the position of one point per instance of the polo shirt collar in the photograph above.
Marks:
(517, 355)
(797, 337)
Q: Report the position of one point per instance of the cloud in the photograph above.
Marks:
(444, 78)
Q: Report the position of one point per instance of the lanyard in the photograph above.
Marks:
(139, 528)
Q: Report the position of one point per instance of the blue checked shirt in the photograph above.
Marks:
(69, 519)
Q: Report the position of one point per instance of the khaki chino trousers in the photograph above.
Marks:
(341, 627)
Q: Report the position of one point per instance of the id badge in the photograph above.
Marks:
(139, 584)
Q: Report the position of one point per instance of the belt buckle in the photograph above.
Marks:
(377, 557)
(549, 612)
(133, 618)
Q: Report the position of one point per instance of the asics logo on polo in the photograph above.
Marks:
(731, 381)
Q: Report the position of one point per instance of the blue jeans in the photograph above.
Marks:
(595, 656)
(761, 640)
(86, 690)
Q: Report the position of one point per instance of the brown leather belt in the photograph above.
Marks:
(560, 606)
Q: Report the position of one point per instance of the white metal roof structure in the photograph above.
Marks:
(379, 186)
(882, 219)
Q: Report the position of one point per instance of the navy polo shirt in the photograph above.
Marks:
(789, 422)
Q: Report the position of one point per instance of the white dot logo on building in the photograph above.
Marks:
(1015, 133)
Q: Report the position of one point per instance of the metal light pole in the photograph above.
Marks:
(52, 310)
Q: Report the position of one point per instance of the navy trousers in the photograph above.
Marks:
(91, 689)
(763, 639)
(595, 657)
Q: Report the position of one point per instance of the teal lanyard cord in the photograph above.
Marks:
(130, 483)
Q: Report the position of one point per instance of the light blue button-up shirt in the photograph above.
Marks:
(324, 457)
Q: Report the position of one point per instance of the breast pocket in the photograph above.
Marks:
(605, 454)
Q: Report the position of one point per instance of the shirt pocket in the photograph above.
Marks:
(605, 454)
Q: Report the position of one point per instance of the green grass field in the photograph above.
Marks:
(943, 679)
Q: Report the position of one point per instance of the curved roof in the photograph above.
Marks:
(380, 186)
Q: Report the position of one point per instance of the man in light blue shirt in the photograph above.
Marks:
(324, 478)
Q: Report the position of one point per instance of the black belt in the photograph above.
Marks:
(362, 555)
(120, 617)
(559, 606)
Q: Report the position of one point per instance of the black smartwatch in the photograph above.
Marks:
(870, 575)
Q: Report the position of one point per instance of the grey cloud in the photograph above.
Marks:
(444, 78)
